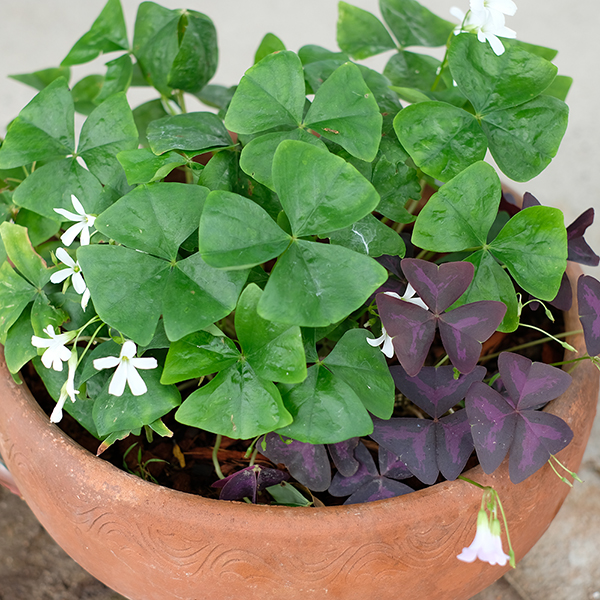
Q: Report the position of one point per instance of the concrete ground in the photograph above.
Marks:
(565, 564)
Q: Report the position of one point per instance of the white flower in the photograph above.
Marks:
(409, 296)
(486, 19)
(74, 271)
(67, 391)
(83, 222)
(386, 340)
(56, 352)
(487, 545)
(126, 364)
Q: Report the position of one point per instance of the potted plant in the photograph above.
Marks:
(227, 278)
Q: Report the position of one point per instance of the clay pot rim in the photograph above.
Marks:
(397, 505)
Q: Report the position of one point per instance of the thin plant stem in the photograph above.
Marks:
(528, 345)
(215, 458)
(563, 344)
(510, 548)
(481, 487)
(561, 477)
(253, 457)
(442, 361)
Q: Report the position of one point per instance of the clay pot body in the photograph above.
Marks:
(152, 543)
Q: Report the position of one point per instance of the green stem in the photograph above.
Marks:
(481, 487)
(511, 552)
(563, 344)
(181, 101)
(253, 457)
(215, 458)
(442, 361)
(528, 345)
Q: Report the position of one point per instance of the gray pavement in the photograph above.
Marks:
(565, 564)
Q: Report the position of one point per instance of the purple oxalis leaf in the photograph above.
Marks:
(531, 384)
(307, 463)
(412, 328)
(454, 444)
(391, 466)
(434, 389)
(502, 424)
(428, 447)
(537, 436)
(530, 200)
(366, 485)
(413, 441)
(578, 249)
(343, 457)
(493, 421)
(438, 286)
(345, 486)
(378, 488)
(247, 482)
(588, 299)
(464, 329)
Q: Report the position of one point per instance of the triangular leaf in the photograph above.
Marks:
(193, 131)
(523, 140)
(155, 218)
(237, 233)
(114, 413)
(44, 129)
(345, 111)
(533, 245)
(494, 82)
(414, 25)
(442, 139)
(51, 186)
(320, 192)
(109, 129)
(365, 370)
(236, 403)
(310, 284)
(361, 34)
(198, 354)
(307, 463)
(270, 94)
(325, 409)
(588, 300)
(275, 351)
(461, 213)
(464, 329)
(107, 34)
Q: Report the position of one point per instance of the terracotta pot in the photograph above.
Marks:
(152, 543)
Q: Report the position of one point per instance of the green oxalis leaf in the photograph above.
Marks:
(107, 34)
(44, 132)
(241, 401)
(494, 82)
(312, 284)
(272, 95)
(175, 49)
(361, 34)
(532, 245)
(146, 278)
(331, 404)
(442, 139)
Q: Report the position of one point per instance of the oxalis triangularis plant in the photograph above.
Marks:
(266, 271)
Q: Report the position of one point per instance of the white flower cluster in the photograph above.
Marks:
(83, 223)
(486, 18)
